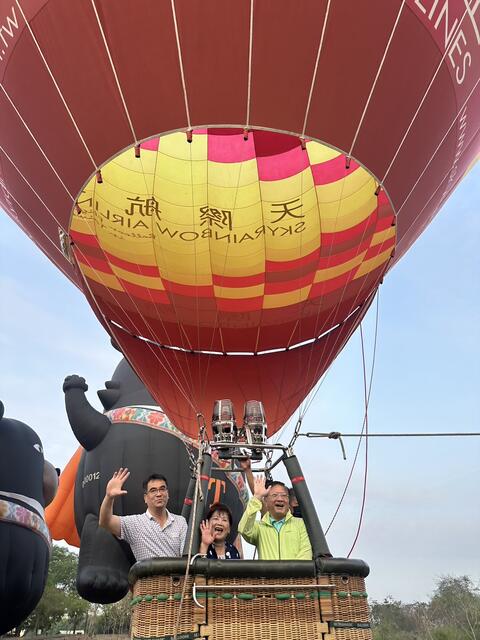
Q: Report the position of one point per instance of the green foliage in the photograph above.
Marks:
(453, 613)
(112, 618)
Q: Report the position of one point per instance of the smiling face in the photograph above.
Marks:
(156, 495)
(276, 501)
(219, 525)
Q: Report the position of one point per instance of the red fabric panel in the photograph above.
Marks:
(141, 38)
(184, 383)
(214, 41)
(355, 39)
(285, 46)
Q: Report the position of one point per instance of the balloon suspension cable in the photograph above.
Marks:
(296, 432)
(366, 392)
(426, 434)
(197, 496)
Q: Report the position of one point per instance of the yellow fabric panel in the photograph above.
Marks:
(192, 269)
(382, 236)
(149, 282)
(175, 145)
(318, 153)
(193, 217)
(275, 300)
(83, 224)
(305, 233)
(239, 292)
(347, 213)
(232, 174)
(373, 263)
(127, 173)
(333, 272)
(357, 181)
(227, 197)
(128, 161)
(243, 255)
(288, 188)
(180, 194)
(180, 172)
(103, 278)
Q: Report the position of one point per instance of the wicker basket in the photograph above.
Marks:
(331, 607)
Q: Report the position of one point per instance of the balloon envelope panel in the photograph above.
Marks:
(228, 244)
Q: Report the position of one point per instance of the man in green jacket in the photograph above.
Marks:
(278, 535)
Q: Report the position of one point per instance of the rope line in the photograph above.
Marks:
(47, 66)
(379, 70)
(365, 475)
(432, 434)
(115, 75)
(197, 496)
(180, 59)
(314, 77)
(427, 90)
(33, 190)
(250, 57)
(439, 145)
(37, 143)
(347, 484)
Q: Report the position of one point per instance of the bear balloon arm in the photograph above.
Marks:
(103, 564)
(89, 425)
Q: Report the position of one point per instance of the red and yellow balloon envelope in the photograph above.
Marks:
(232, 267)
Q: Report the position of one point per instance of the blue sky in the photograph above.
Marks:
(422, 517)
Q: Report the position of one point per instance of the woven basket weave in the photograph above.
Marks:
(331, 608)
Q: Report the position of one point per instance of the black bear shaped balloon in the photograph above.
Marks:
(132, 433)
(27, 484)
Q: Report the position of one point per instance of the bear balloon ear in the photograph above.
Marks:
(108, 397)
(2, 409)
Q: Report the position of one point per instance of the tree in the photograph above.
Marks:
(393, 620)
(114, 618)
(456, 604)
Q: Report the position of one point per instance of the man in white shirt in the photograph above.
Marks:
(155, 533)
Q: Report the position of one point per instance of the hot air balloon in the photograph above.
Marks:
(229, 182)
(28, 483)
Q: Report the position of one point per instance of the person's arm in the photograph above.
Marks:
(246, 467)
(238, 545)
(305, 548)
(106, 518)
(248, 526)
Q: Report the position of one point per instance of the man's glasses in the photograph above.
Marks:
(276, 496)
(154, 490)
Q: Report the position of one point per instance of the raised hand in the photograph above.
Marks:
(259, 489)
(115, 484)
(207, 535)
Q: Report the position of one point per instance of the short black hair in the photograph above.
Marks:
(153, 476)
(219, 506)
(272, 483)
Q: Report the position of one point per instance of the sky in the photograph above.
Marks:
(422, 513)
